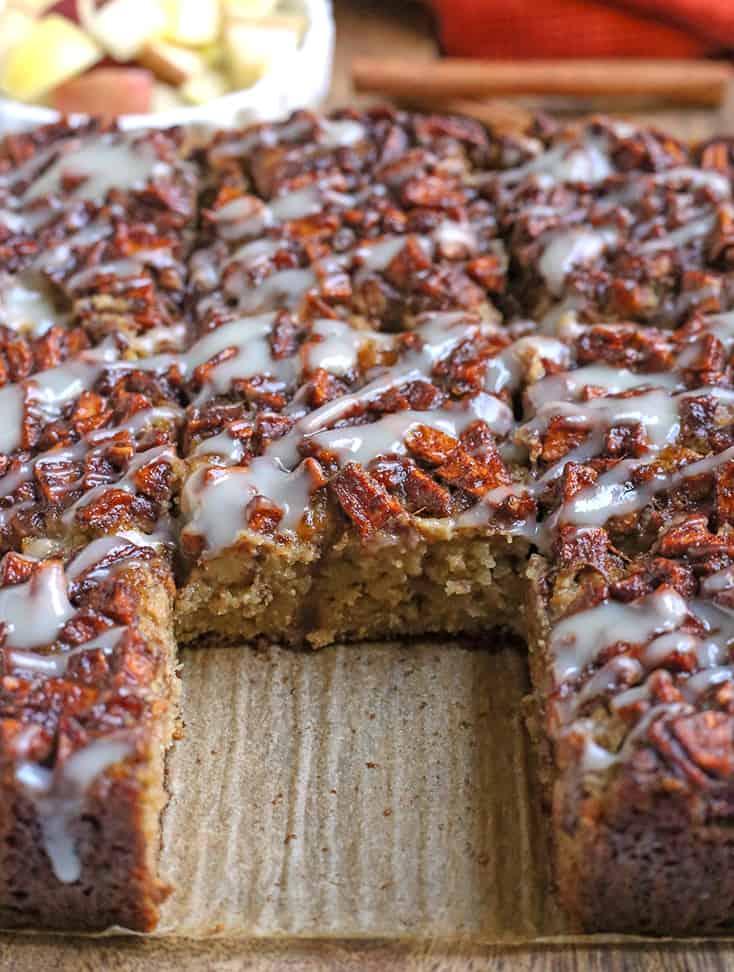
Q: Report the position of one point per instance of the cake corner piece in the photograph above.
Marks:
(88, 710)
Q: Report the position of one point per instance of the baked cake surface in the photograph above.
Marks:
(376, 375)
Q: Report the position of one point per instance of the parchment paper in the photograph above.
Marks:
(360, 791)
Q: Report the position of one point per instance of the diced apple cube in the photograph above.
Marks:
(204, 88)
(253, 50)
(171, 63)
(53, 51)
(165, 97)
(213, 55)
(122, 27)
(193, 23)
(14, 25)
(107, 92)
(67, 8)
(248, 9)
(298, 23)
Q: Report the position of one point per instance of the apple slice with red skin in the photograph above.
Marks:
(106, 92)
(67, 8)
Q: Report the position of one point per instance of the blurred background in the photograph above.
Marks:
(652, 60)
(228, 62)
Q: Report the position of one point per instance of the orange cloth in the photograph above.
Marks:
(585, 28)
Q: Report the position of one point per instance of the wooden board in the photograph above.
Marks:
(24, 955)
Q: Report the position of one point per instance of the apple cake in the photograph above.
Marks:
(376, 375)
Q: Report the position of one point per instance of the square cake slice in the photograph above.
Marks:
(87, 711)
(373, 216)
(635, 718)
(374, 501)
(96, 226)
(629, 624)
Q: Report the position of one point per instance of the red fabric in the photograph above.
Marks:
(585, 28)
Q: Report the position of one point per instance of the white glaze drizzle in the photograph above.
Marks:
(127, 482)
(59, 796)
(26, 305)
(215, 510)
(569, 248)
(586, 160)
(214, 500)
(106, 162)
(386, 436)
(696, 229)
(86, 561)
(578, 640)
(54, 664)
(567, 385)
(288, 288)
(34, 613)
(614, 495)
(651, 627)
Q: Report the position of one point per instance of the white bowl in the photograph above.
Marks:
(301, 83)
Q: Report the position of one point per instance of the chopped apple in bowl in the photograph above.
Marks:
(170, 63)
(193, 23)
(14, 26)
(252, 51)
(122, 27)
(53, 50)
(107, 92)
(248, 9)
(120, 57)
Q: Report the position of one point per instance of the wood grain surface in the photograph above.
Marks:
(369, 27)
(25, 954)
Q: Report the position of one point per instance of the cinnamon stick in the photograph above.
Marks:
(684, 82)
